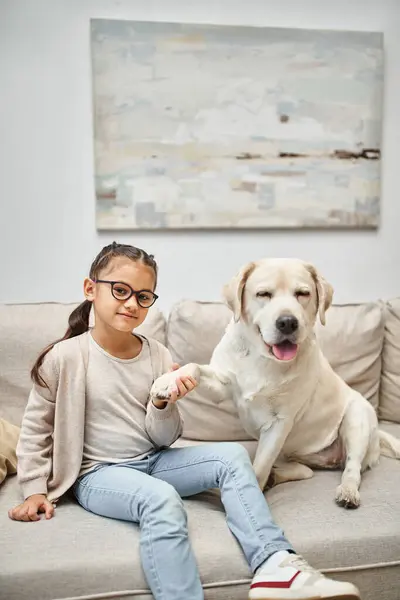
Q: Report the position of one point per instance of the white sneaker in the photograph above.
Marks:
(294, 579)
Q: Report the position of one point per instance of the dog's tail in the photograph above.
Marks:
(390, 445)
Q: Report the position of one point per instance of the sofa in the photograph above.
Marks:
(78, 555)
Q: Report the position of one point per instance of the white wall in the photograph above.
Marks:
(47, 228)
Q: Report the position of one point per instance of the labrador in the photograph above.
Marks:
(302, 413)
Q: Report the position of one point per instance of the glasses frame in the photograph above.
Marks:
(133, 292)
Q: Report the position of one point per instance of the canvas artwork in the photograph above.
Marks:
(202, 127)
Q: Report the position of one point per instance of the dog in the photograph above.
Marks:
(302, 413)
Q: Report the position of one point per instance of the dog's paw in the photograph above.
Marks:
(163, 387)
(348, 496)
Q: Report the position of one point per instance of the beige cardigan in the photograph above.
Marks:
(50, 446)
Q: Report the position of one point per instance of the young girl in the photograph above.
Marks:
(89, 425)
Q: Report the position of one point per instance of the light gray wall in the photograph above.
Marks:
(47, 229)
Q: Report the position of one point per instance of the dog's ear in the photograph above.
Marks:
(324, 292)
(233, 291)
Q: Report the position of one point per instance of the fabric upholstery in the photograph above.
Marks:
(82, 554)
(25, 329)
(9, 435)
(389, 407)
(351, 340)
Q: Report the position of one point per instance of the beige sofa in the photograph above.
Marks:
(79, 555)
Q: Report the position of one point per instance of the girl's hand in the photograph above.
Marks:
(30, 509)
(183, 385)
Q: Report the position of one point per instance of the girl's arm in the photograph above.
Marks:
(35, 446)
(164, 423)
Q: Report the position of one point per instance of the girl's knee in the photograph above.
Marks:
(163, 508)
(163, 496)
(233, 452)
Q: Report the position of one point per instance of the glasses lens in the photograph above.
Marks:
(121, 291)
(145, 299)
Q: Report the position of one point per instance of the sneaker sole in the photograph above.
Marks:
(334, 597)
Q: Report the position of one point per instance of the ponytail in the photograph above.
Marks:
(78, 323)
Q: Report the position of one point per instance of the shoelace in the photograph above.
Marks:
(296, 560)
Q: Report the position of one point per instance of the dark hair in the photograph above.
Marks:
(78, 321)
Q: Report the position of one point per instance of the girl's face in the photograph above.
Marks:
(122, 315)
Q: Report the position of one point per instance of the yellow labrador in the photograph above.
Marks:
(287, 395)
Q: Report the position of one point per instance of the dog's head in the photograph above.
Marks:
(280, 299)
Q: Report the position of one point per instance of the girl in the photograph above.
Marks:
(89, 425)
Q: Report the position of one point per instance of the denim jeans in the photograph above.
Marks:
(150, 491)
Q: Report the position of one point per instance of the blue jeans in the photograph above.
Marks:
(150, 491)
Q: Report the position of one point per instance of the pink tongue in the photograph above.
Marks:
(284, 351)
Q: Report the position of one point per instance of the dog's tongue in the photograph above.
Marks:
(285, 350)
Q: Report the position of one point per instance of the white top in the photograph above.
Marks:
(117, 393)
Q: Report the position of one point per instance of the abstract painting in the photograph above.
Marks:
(202, 127)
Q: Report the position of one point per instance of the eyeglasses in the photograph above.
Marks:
(123, 291)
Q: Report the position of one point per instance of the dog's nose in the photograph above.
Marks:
(287, 324)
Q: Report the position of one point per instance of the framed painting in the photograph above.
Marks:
(214, 127)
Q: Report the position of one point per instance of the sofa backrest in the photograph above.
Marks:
(389, 401)
(193, 331)
(361, 342)
(25, 329)
(352, 341)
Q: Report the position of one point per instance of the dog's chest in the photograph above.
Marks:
(258, 403)
(254, 413)
(257, 383)
(262, 396)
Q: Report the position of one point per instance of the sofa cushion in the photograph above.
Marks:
(82, 554)
(25, 329)
(351, 340)
(9, 435)
(193, 331)
(389, 406)
(366, 541)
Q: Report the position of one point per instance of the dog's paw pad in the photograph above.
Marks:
(163, 389)
(348, 497)
(161, 395)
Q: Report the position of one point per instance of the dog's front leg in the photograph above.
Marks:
(357, 432)
(271, 440)
(215, 383)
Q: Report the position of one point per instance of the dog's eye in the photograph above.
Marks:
(302, 294)
(264, 294)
